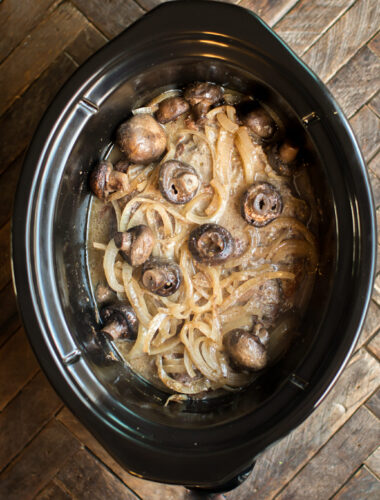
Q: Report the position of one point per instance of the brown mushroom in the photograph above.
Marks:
(261, 204)
(162, 277)
(104, 294)
(141, 139)
(260, 123)
(120, 322)
(136, 244)
(105, 180)
(246, 349)
(211, 244)
(178, 181)
(202, 95)
(171, 108)
(283, 158)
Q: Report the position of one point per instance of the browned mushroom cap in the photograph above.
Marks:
(136, 244)
(283, 158)
(142, 139)
(178, 181)
(211, 244)
(246, 349)
(202, 95)
(104, 180)
(260, 123)
(261, 204)
(120, 322)
(171, 108)
(162, 277)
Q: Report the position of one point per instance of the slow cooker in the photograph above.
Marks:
(206, 443)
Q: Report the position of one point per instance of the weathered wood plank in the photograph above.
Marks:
(271, 11)
(18, 124)
(53, 492)
(39, 49)
(9, 319)
(374, 44)
(374, 104)
(374, 346)
(17, 367)
(5, 252)
(275, 468)
(29, 411)
(38, 463)
(363, 485)
(376, 290)
(86, 478)
(374, 403)
(8, 184)
(145, 489)
(307, 21)
(17, 19)
(358, 80)
(366, 126)
(373, 462)
(344, 38)
(111, 17)
(337, 460)
(86, 43)
(371, 325)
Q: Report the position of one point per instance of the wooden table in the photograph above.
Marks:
(45, 452)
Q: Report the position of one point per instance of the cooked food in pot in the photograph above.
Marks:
(202, 239)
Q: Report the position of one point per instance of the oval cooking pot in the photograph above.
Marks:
(201, 443)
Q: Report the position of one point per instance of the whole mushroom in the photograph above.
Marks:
(211, 244)
(259, 121)
(247, 350)
(283, 158)
(119, 322)
(105, 180)
(170, 109)
(136, 244)
(261, 204)
(141, 139)
(178, 181)
(201, 96)
(162, 277)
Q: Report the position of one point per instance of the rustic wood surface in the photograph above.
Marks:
(45, 452)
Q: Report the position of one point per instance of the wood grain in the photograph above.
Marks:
(357, 81)
(33, 407)
(373, 403)
(38, 463)
(374, 44)
(279, 464)
(366, 126)
(8, 184)
(335, 463)
(86, 43)
(363, 485)
(374, 104)
(145, 489)
(9, 319)
(329, 53)
(374, 346)
(271, 11)
(53, 492)
(17, 366)
(17, 19)
(373, 462)
(376, 290)
(371, 324)
(85, 478)
(20, 121)
(5, 252)
(111, 17)
(40, 49)
(307, 21)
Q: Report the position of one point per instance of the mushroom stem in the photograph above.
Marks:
(288, 152)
